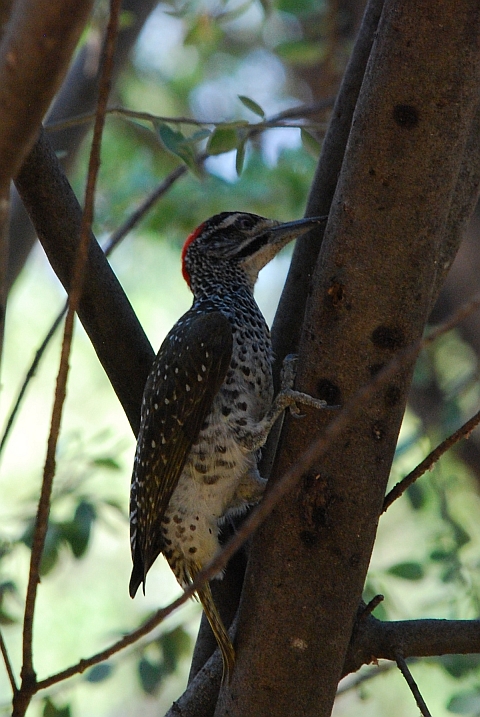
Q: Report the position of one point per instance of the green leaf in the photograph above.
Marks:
(172, 139)
(99, 673)
(174, 644)
(440, 556)
(297, 7)
(150, 674)
(53, 541)
(416, 495)
(176, 143)
(107, 462)
(252, 106)
(199, 135)
(6, 619)
(127, 19)
(50, 710)
(311, 144)
(461, 535)
(222, 139)
(77, 531)
(464, 703)
(240, 158)
(407, 571)
(459, 665)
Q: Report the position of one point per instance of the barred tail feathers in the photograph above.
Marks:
(218, 628)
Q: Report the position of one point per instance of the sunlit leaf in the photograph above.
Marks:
(252, 106)
(223, 139)
(407, 571)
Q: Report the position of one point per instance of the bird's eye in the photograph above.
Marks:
(245, 222)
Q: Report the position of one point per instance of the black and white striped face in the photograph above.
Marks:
(240, 239)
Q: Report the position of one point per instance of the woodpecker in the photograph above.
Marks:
(208, 406)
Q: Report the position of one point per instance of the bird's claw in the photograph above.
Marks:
(288, 372)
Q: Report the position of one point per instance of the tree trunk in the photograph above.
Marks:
(374, 286)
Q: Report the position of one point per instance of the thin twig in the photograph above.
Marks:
(278, 490)
(8, 664)
(43, 510)
(370, 607)
(428, 462)
(30, 374)
(403, 667)
(291, 113)
(143, 208)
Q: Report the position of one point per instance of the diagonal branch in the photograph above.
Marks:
(404, 669)
(428, 462)
(115, 332)
(8, 664)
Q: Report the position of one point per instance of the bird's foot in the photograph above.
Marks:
(288, 398)
(288, 372)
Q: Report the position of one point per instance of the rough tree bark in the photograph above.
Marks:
(372, 295)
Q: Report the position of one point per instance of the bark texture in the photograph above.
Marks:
(374, 285)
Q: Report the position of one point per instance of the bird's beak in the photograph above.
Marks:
(284, 233)
(271, 237)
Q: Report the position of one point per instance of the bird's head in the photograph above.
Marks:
(238, 240)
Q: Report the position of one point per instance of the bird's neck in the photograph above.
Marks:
(227, 286)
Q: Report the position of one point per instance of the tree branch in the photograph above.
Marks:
(373, 640)
(403, 667)
(8, 664)
(104, 310)
(430, 460)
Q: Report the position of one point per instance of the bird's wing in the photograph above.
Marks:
(186, 376)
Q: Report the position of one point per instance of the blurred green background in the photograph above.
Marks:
(194, 59)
